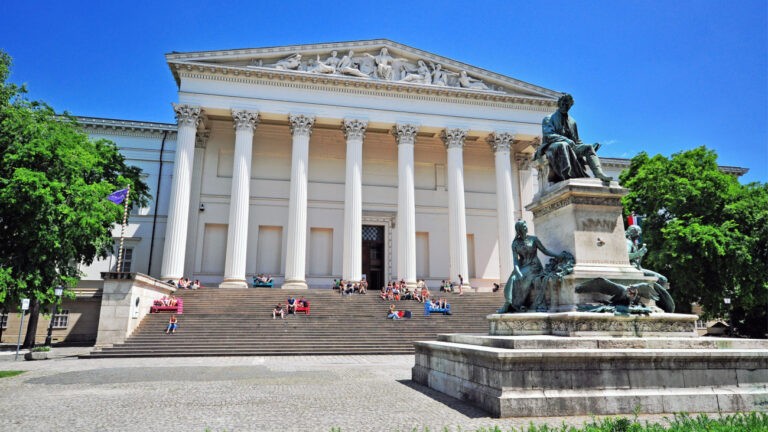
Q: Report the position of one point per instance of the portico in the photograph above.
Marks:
(297, 157)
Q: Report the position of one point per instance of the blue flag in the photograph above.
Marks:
(119, 196)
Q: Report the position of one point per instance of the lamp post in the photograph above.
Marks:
(59, 290)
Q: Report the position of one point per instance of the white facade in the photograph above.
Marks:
(277, 168)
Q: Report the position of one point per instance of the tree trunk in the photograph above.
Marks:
(34, 314)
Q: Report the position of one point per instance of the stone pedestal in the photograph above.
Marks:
(588, 324)
(524, 376)
(584, 217)
(126, 300)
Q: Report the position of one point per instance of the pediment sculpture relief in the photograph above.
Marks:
(380, 66)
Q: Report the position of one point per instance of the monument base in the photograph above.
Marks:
(523, 376)
(588, 324)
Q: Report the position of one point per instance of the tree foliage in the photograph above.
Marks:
(54, 180)
(706, 232)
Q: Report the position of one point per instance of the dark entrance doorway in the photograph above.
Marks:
(373, 256)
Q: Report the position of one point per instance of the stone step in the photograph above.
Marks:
(225, 322)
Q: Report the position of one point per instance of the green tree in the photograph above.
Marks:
(54, 215)
(706, 232)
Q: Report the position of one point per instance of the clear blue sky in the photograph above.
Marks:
(659, 76)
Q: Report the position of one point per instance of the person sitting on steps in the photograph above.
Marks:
(291, 305)
(278, 310)
(172, 324)
(393, 313)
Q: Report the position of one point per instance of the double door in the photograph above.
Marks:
(373, 256)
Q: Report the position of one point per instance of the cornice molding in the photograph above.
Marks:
(360, 45)
(126, 127)
(345, 84)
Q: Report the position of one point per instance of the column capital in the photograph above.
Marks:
(453, 138)
(523, 161)
(500, 141)
(405, 133)
(301, 124)
(201, 138)
(354, 128)
(187, 115)
(245, 120)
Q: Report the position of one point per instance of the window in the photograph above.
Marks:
(61, 319)
(4, 320)
(127, 258)
(701, 324)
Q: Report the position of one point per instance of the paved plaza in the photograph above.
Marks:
(310, 393)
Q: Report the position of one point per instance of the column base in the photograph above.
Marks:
(233, 283)
(294, 284)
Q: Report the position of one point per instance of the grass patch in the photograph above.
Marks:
(8, 374)
(739, 422)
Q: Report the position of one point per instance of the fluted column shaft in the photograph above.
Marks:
(525, 179)
(296, 255)
(500, 143)
(237, 232)
(406, 203)
(457, 219)
(175, 247)
(352, 263)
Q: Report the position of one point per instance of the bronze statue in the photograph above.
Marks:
(528, 270)
(636, 253)
(628, 295)
(566, 154)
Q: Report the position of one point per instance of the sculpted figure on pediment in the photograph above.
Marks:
(347, 66)
(333, 60)
(440, 76)
(421, 75)
(317, 66)
(471, 83)
(291, 62)
(383, 63)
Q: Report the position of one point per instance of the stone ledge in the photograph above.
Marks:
(589, 324)
(576, 380)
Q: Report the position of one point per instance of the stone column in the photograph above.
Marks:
(187, 117)
(406, 203)
(457, 219)
(352, 264)
(505, 207)
(296, 256)
(525, 179)
(237, 232)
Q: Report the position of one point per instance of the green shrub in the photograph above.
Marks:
(42, 348)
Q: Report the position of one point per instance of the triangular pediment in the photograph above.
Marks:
(378, 61)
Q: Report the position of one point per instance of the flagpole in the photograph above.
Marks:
(122, 231)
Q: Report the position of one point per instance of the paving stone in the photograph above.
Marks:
(307, 393)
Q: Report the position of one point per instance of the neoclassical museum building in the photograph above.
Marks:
(366, 159)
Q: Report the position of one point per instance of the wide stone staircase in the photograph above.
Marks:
(234, 322)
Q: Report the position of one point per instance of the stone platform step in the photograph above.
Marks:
(522, 376)
(233, 322)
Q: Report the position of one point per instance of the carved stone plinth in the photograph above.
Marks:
(588, 324)
(524, 376)
(584, 217)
